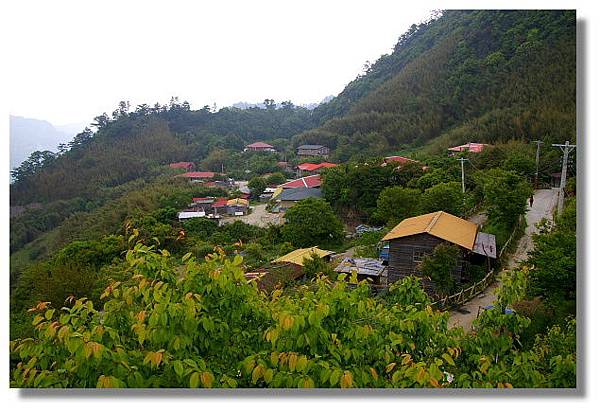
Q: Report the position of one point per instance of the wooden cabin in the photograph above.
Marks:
(414, 238)
(312, 150)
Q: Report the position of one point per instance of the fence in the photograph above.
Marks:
(464, 295)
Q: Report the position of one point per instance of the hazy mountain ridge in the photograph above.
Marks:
(28, 135)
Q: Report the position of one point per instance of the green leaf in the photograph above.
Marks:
(178, 367)
(448, 359)
(49, 313)
(195, 380)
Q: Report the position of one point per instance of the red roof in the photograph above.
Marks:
(209, 184)
(309, 167)
(308, 181)
(181, 165)
(220, 202)
(468, 147)
(260, 145)
(399, 159)
(198, 175)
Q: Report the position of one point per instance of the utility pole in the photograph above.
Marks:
(537, 162)
(566, 149)
(462, 168)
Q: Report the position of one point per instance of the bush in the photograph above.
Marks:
(440, 267)
(312, 222)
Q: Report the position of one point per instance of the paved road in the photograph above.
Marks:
(544, 202)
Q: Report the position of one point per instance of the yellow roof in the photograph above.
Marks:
(298, 255)
(237, 201)
(277, 192)
(439, 224)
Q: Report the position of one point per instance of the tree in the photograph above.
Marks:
(396, 203)
(443, 196)
(505, 195)
(441, 265)
(257, 185)
(522, 163)
(554, 261)
(179, 322)
(275, 179)
(312, 222)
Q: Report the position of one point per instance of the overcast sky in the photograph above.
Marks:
(72, 60)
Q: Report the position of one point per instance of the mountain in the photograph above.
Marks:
(30, 135)
(485, 76)
(488, 76)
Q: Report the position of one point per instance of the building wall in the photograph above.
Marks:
(324, 151)
(402, 258)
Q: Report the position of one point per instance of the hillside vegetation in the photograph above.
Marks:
(487, 76)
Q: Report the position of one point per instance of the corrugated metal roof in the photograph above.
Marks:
(439, 224)
(308, 181)
(259, 145)
(300, 193)
(485, 244)
(197, 175)
(181, 165)
(310, 146)
(297, 256)
(399, 159)
(469, 147)
(220, 202)
(237, 202)
(362, 266)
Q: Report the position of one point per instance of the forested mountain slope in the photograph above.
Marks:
(468, 76)
(132, 145)
(486, 76)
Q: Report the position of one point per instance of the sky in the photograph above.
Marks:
(72, 60)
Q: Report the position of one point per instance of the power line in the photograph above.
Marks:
(566, 149)
(462, 169)
(537, 162)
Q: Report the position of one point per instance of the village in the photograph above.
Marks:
(398, 254)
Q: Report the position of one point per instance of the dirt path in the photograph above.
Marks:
(544, 203)
(259, 217)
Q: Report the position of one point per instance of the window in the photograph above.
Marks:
(418, 254)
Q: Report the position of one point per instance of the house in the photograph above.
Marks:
(237, 207)
(371, 270)
(312, 150)
(285, 269)
(267, 194)
(414, 238)
(289, 197)
(468, 147)
(187, 166)
(297, 256)
(398, 159)
(219, 206)
(313, 167)
(259, 147)
(190, 214)
(197, 176)
(284, 166)
(307, 181)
